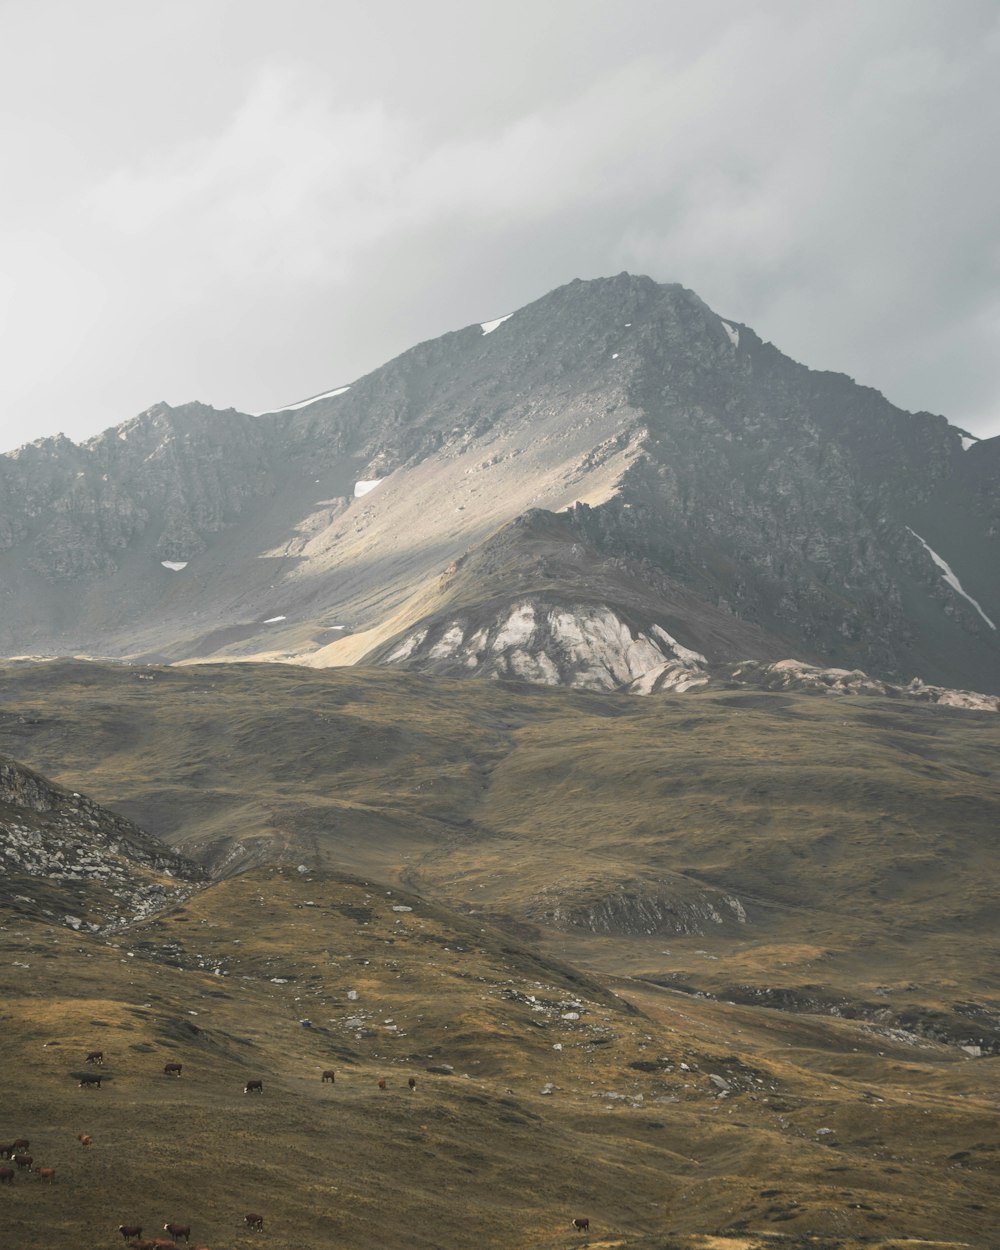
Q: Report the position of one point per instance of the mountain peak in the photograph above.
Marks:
(749, 506)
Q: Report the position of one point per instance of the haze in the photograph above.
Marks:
(246, 204)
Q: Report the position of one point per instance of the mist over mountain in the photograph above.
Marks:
(609, 481)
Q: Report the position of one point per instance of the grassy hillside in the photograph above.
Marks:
(539, 1097)
(793, 894)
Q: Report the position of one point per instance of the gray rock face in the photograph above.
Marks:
(749, 506)
(639, 907)
(588, 646)
(65, 857)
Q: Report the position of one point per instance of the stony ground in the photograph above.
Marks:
(541, 1094)
(586, 1038)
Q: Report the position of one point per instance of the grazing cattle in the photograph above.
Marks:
(172, 1069)
(22, 1161)
(6, 1151)
(253, 1087)
(582, 1225)
(256, 1222)
(20, 1143)
(84, 1139)
(96, 1056)
(46, 1174)
(329, 1075)
(6, 1174)
(178, 1230)
(381, 1083)
(90, 1082)
(144, 1245)
(130, 1230)
(161, 1243)
(412, 1083)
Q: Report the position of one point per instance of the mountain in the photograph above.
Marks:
(603, 484)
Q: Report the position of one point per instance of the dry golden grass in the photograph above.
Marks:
(859, 835)
(482, 1153)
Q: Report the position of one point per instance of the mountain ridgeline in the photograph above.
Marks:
(610, 484)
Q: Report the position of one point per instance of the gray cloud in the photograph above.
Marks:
(281, 204)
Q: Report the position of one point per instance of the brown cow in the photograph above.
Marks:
(20, 1143)
(172, 1069)
(253, 1087)
(130, 1230)
(96, 1056)
(46, 1174)
(144, 1245)
(6, 1151)
(329, 1075)
(84, 1139)
(256, 1222)
(6, 1175)
(22, 1161)
(582, 1225)
(89, 1082)
(178, 1230)
(381, 1083)
(412, 1083)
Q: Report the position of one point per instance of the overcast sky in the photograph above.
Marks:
(249, 202)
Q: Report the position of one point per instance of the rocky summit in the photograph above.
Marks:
(603, 482)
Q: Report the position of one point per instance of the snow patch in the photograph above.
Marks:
(734, 334)
(313, 399)
(950, 577)
(488, 327)
(174, 566)
(362, 488)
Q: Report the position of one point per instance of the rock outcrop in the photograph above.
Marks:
(66, 858)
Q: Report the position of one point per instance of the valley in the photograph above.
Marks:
(578, 734)
(709, 969)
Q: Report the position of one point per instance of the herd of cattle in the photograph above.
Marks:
(132, 1233)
